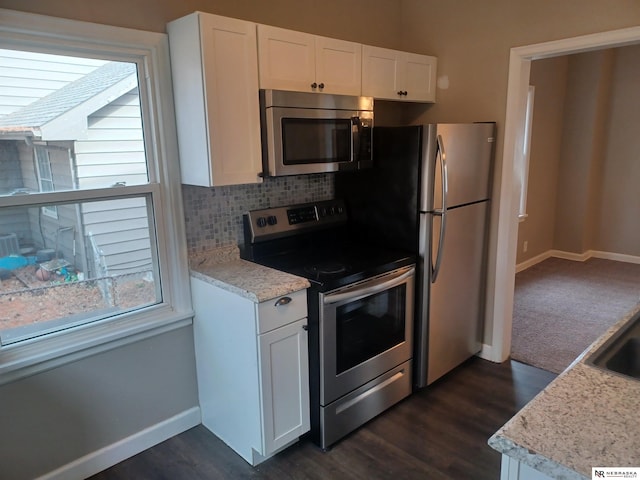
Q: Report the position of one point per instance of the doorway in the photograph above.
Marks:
(519, 71)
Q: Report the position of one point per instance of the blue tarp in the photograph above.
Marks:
(13, 262)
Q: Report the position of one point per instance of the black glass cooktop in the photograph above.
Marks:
(315, 241)
(337, 265)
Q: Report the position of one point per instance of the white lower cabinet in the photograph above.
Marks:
(513, 469)
(252, 367)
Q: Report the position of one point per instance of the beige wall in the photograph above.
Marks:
(586, 109)
(592, 175)
(376, 22)
(472, 39)
(550, 79)
(619, 228)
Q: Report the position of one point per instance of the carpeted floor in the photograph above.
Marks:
(562, 306)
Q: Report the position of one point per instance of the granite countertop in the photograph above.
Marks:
(224, 268)
(585, 418)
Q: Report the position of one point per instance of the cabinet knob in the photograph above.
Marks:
(314, 85)
(402, 92)
(321, 86)
(305, 327)
(282, 301)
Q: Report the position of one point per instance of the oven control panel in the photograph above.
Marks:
(270, 223)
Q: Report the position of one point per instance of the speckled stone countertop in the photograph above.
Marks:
(585, 418)
(224, 268)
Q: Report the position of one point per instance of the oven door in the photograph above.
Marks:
(366, 330)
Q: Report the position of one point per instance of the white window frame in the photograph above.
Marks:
(150, 52)
(525, 153)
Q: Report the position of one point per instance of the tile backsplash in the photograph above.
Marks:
(213, 216)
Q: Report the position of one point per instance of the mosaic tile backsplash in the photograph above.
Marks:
(213, 216)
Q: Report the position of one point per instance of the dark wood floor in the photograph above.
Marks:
(438, 433)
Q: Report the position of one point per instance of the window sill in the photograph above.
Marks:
(30, 357)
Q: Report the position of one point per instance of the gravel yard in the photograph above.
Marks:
(26, 299)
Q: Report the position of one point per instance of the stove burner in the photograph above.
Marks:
(328, 268)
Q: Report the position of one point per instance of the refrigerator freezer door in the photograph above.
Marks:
(383, 201)
(456, 299)
(468, 155)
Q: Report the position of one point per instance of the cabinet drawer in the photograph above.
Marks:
(271, 315)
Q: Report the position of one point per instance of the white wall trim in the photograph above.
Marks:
(577, 257)
(618, 257)
(504, 251)
(533, 261)
(110, 455)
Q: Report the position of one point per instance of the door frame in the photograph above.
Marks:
(506, 244)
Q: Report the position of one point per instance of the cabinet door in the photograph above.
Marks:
(230, 58)
(419, 77)
(287, 59)
(396, 75)
(338, 66)
(381, 73)
(214, 66)
(284, 381)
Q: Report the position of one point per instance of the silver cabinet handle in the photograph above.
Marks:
(282, 301)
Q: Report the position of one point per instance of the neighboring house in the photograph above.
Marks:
(86, 134)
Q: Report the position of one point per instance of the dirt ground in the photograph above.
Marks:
(27, 299)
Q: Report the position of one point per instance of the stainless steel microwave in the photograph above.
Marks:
(314, 132)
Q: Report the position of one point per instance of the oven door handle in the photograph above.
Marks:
(357, 292)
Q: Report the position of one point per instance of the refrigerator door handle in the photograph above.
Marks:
(442, 213)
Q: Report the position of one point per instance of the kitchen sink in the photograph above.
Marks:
(621, 353)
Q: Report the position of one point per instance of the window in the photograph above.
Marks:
(523, 160)
(45, 178)
(90, 194)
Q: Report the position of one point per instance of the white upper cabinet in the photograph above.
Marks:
(298, 61)
(214, 64)
(395, 75)
(339, 66)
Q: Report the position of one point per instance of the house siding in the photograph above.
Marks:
(113, 152)
(40, 229)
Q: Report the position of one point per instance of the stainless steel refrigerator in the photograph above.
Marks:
(429, 192)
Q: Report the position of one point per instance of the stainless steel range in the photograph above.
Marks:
(361, 306)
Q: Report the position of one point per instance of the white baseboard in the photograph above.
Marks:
(618, 257)
(577, 257)
(110, 455)
(533, 261)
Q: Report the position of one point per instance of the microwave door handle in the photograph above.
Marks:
(356, 131)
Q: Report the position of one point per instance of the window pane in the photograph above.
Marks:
(96, 259)
(81, 116)
(43, 164)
